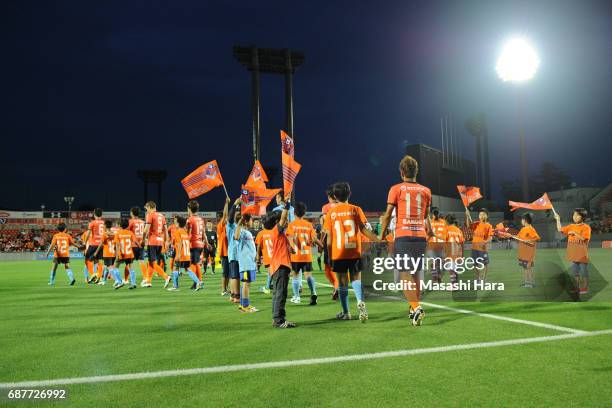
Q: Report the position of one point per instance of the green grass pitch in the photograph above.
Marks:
(82, 331)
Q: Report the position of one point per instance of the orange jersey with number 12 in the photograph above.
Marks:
(342, 224)
(303, 234)
(264, 240)
(62, 242)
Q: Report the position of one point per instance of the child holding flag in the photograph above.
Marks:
(482, 233)
(527, 238)
(578, 237)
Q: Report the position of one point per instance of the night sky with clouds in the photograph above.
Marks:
(93, 91)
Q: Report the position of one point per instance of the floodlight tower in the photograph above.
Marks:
(518, 63)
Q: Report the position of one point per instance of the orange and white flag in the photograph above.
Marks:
(258, 177)
(287, 145)
(255, 200)
(291, 168)
(469, 194)
(202, 180)
(542, 203)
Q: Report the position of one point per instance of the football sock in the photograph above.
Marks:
(126, 273)
(104, 274)
(132, 277)
(268, 280)
(356, 284)
(99, 269)
(143, 269)
(52, 277)
(343, 291)
(70, 274)
(90, 268)
(331, 277)
(198, 272)
(295, 285)
(160, 271)
(311, 285)
(115, 273)
(175, 276)
(300, 279)
(193, 276)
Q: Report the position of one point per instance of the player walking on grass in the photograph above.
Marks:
(93, 237)
(454, 245)
(263, 242)
(302, 235)
(343, 224)
(223, 248)
(60, 245)
(155, 234)
(578, 238)
(410, 201)
(329, 274)
(436, 243)
(246, 261)
(137, 226)
(280, 264)
(195, 229)
(181, 242)
(482, 233)
(124, 242)
(108, 251)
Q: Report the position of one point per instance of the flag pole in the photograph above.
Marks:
(225, 189)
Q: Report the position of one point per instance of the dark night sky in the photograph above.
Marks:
(92, 91)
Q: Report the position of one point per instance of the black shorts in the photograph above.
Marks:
(109, 261)
(346, 265)
(61, 260)
(225, 267)
(155, 253)
(210, 252)
(196, 254)
(89, 254)
(301, 266)
(138, 253)
(127, 261)
(326, 260)
(234, 270)
(484, 255)
(181, 265)
(414, 247)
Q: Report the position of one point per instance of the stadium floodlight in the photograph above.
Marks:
(69, 201)
(518, 61)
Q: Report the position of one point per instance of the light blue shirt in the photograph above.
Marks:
(232, 247)
(246, 251)
(290, 216)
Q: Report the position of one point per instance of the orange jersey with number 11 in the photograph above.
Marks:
(411, 201)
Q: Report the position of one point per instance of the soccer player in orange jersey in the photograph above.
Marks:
(578, 238)
(436, 244)
(137, 226)
(125, 242)
(454, 245)
(93, 237)
(410, 201)
(155, 234)
(108, 250)
(222, 237)
(482, 233)
(263, 242)
(197, 234)
(302, 235)
(181, 241)
(60, 244)
(343, 224)
(329, 274)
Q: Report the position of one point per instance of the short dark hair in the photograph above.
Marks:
(450, 219)
(124, 223)
(342, 191)
(300, 209)
(484, 210)
(151, 204)
(435, 211)
(409, 167)
(581, 212)
(108, 224)
(61, 227)
(246, 217)
(527, 217)
(135, 211)
(281, 193)
(194, 206)
(271, 219)
(98, 212)
(181, 221)
(330, 191)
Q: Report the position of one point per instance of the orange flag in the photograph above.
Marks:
(255, 200)
(291, 168)
(287, 145)
(542, 203)
(469, 194)
(258, 177)
(202, 180)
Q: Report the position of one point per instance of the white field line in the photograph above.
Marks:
(487, 315)
(292, 363)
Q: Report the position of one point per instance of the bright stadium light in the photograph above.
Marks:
(518, 61)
